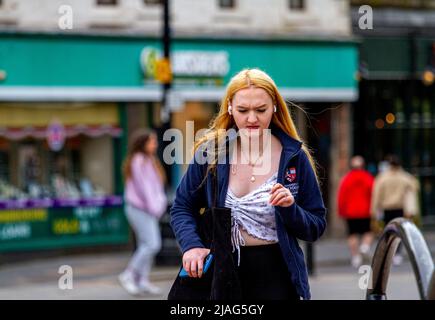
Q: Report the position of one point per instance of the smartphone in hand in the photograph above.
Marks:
(207, 264)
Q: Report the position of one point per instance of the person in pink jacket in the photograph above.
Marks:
(145, 202)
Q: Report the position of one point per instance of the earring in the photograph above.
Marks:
(274, 108)
(230, 110)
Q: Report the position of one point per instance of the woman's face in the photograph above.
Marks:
(151, 145)
(252, 110)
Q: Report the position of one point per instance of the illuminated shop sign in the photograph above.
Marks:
(192, 64)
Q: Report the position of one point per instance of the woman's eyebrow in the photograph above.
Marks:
(258, 107)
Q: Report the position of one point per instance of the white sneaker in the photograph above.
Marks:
(129, 284)
(356, 261)
(397, 260)
(364, 249)
(147, 287)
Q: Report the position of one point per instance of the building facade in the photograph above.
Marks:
(250, 18)
(69, 98)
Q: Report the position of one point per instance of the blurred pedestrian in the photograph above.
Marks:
(273, 202)
(390, 193)
(145, 203)
(354, 198)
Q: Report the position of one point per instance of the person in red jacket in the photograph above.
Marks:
(354, 199)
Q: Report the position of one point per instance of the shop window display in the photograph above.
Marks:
(31, 171)
(59, 176)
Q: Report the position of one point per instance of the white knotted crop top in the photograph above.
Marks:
(252, 213)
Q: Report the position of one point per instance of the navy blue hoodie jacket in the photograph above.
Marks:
(304, 220)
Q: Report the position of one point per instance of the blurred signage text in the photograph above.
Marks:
(186, 66)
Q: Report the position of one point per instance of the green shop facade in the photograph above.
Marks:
(69, 102)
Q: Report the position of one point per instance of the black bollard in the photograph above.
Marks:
(310, 258)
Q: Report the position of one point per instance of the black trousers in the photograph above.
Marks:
(392, 214)
(263, 274)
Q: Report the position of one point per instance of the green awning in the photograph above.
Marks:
(72, 67)
(394, 57)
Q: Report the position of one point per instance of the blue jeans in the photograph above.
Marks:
(148, 240)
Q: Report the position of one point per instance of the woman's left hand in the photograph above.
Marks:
(281, 196)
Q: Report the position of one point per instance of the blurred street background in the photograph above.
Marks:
(78, 77)
(95, 277)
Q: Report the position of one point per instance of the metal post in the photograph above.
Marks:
(165, 114)
(310, 258)
(402, 230)
(165, 255)
(166, 42)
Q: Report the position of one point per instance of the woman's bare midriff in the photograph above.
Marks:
(253, 241)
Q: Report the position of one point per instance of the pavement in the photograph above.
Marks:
(94, 276)
(334, 251)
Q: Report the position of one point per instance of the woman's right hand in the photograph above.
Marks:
(193, 261)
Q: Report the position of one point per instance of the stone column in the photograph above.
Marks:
(341, 149)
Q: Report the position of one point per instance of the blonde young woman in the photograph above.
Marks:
(269, 183)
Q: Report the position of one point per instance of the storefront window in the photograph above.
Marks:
(59, 168)
(41, 173)
(396, 117)
(107, 2)
(296, 4)
(82, 168)
(227, 3)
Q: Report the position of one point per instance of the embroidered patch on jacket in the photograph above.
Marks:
(294, 188)
(290, 174)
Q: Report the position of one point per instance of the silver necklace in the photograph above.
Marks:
(233, 167)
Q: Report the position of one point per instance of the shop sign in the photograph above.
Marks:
(201, 63)
(194, 65)
(57, 227)
(15, 231)
(56, 135)
(87, 212)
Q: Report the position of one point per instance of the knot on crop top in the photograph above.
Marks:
(252, 213)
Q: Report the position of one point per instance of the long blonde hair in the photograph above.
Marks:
(281, 118)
